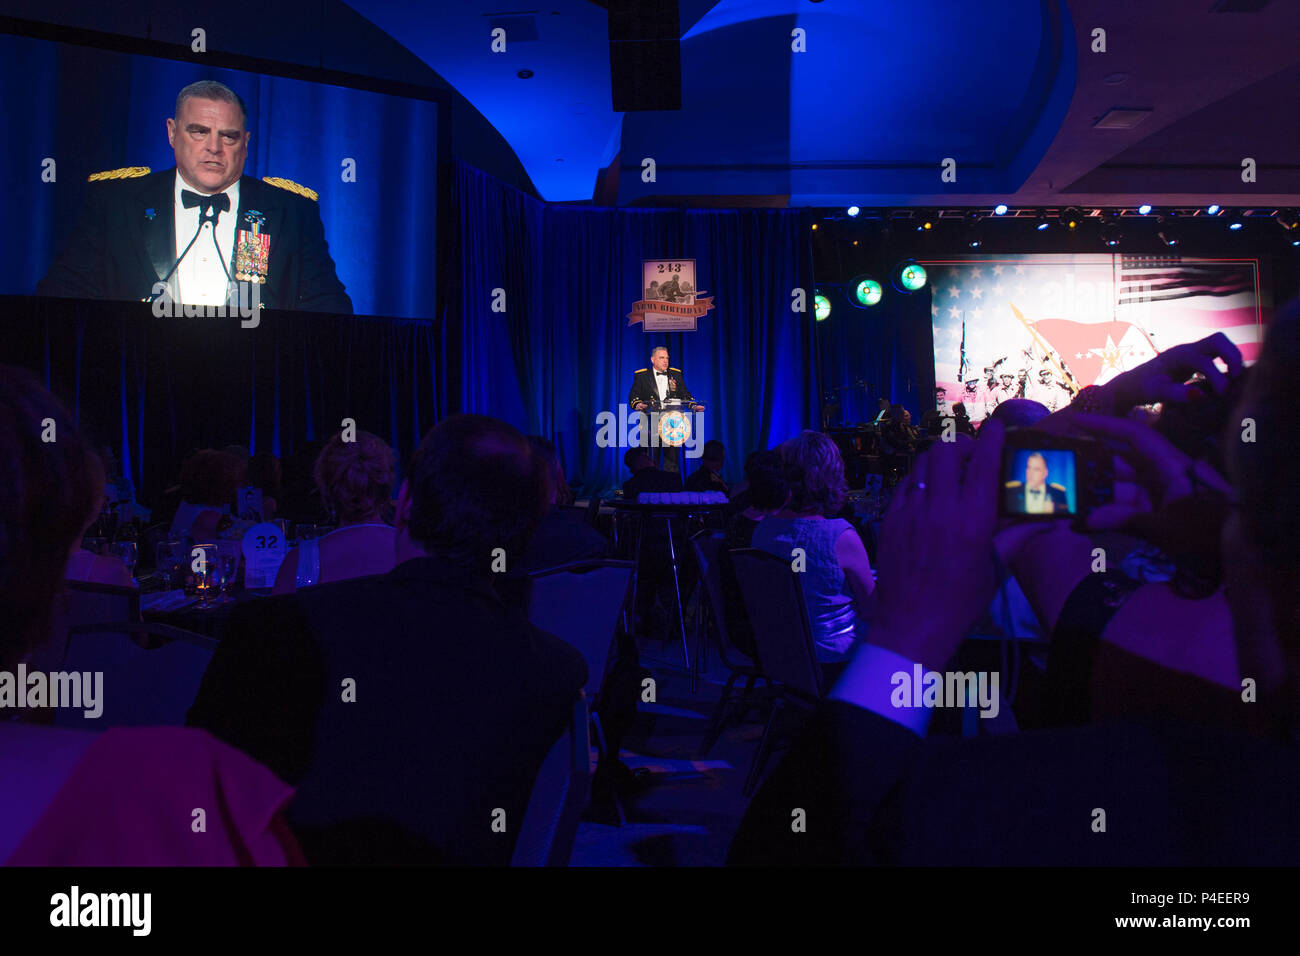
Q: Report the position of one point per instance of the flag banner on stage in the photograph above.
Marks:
(1045, 326)
(672, 301)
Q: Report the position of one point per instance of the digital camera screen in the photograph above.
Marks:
(1039, 482)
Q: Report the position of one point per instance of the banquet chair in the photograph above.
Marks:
(151, 671)
(783, 636)
(706, 544)
(585, 603)
(559, 795)
(582, 603)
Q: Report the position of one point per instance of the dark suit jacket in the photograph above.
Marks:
(458, 699)
(702, 479)
(117, 251)
(645, 390)
(1015, 492)
(1174, 795)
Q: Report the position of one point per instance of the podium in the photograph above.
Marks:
(670, 427)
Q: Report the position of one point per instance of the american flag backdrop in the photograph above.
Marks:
(1064, 322)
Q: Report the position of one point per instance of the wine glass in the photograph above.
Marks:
(170, 560)
(128, 553)
(229, 562)
(207, 571)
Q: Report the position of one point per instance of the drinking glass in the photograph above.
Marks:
(171, 562)
(128, 553)
(229, 561)
(207, 574)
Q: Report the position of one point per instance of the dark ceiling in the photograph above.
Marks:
(1010, 89)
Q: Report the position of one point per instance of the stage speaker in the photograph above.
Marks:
(645, 55)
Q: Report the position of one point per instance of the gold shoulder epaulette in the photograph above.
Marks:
(126, 172)
(1052, 484)
(671, 369)
(640, 370)
(293, 187)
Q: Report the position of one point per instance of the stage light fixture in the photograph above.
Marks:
(1236, 223)
(1000, 209)
(1043, 223)
(853, 211)
(1071, 217)
(821, 308)
(1111, 234)
(866, 292)
(1212, 210)
(1168, 235)
(974, 237)
(1144, 209)
(909, 276)
(1288, 219)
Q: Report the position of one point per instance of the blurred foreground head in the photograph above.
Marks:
(51, 483)
(474, 486)
(1260, 444)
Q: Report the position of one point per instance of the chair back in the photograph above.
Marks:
(560, 794)
(779, 616)
(593, 510)
(581, 603)
(706, 544)
(79, 605)
(142, 686)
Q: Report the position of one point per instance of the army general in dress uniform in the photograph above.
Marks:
(137, 224)
(651, 387)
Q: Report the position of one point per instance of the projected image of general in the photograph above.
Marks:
(193, 185)
(194, 231)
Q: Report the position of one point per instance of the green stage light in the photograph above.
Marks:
(867, 292)
(910, 276)
(821, 307)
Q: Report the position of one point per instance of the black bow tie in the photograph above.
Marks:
(661, 373)
(206, 204)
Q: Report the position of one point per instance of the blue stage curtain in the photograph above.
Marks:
(889, 346)
(154, 388)
(562, 350)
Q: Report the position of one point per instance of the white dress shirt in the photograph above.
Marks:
(200, 278)
(661, 380)
(1037, 501)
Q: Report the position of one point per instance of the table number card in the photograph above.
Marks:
(264, 551)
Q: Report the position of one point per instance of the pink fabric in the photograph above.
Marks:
(130, 802)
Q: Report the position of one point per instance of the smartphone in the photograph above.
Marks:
(1046, 476)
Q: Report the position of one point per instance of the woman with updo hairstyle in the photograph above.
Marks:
(355, 481)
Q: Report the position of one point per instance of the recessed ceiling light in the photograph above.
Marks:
(1122, 119)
